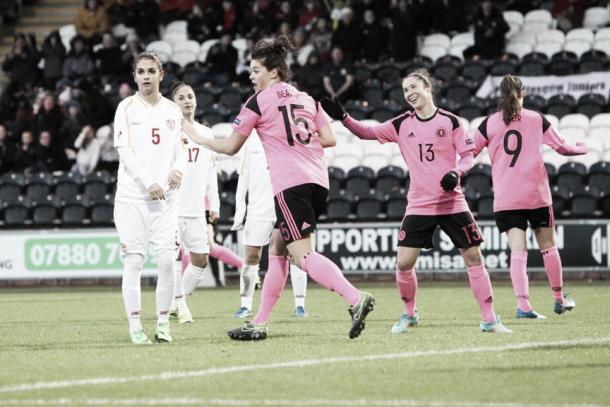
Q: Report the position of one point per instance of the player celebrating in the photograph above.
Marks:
(259, 213)
(293, 130)
(513, 137)
(192, 226)
(429, 140)
(147, 135)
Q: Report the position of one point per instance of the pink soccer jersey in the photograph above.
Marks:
(287, 122)
(430, 148)
(519, 177)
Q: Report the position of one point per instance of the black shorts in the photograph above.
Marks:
(297, 209)
(518, 218)
(418, 230)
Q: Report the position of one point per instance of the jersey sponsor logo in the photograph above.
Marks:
(135, 123)
(305, 225)
(469, 141)
(236, 121)
(441, 132)
(411, 135)
(402, 235)
(171, 124)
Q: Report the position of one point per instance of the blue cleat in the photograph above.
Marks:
(404, 323)
(300, 312)
(567, 304)
(243, 312)
(495, 327)
(531, 314)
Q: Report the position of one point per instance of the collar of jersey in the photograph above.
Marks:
(141, 99)
(428, 119)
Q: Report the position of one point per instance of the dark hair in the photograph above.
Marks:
(423, 75)
(175, 86)
(272, 55)
(147, 55)
(510, 93)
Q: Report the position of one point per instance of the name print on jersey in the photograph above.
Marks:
(283, 93)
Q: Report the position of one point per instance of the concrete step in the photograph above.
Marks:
(59, 20)
(67, 12)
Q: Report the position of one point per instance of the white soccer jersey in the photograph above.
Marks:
(154, 135)
(199, 178)
(254, 180)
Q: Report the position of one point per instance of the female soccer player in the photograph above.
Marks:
(192, 225)
(147, 135)
(430, 139)
(293, 130)
(256, 217)
(513, 137)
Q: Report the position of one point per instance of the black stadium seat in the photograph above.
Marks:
(501, 68)
(571, 175)
(337, 177)
(338, 209)
(599, 176)
(562, 63)
(395, 209)
(560, 105)
(561, 197)
(485, 206)
(474, 70)
(369, 209)
(389, 178)
(45, 213)
(359, 179)
(591, 104)
(388, 74)
(478, 178)
(17, 213)
(551, 171)
(446, 70)
(532, 68)
(585, 201)
(534, 102)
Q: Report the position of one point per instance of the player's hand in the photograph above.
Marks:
(213, 218)
(174, 179)
(333, 108)
(188, 128)
(450, 181)
(156, 192)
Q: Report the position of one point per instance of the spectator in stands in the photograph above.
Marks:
(108, 60)
(514, 137)
(489, 30)
(78, 64)
(124, 91)
(109, 157)
(222, 60)
(348, 36)
(70, 128)
(405, 26)
(91, 21)
(88, 151)
(374, 38)
(308, 15)
(254, 24)
(285, 14)
(338, 79)
(12, 98)
(302, 47)
(25, 158)
(523, 6)
(49, 155)
(54, 53)
(49, 116)
(197, 27)
(568, 13)
(321, 38)
(24, 119)
(229, 16)
(21, 62)
(96, 109)
(144, 17)
(311, 77)
(130, 50)
(8, 150)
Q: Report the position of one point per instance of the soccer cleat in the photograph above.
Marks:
(566, 304)
(249, 331)
(243, 312)
(404, 323)
(139, 338)
(531, 314)
(185, 318)
(162, 332)
(359, 312)
(495, 327)
(300, 312)
(173, 312)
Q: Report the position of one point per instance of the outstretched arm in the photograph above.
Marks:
(229, 146)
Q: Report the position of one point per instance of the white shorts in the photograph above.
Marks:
(141, 223)
(193, 235)
(257, 232)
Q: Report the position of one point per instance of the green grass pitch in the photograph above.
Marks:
(70, 347)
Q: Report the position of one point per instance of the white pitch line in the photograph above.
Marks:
(276, 402)
(297, 363)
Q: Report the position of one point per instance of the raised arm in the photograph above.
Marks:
(229, 146)
(554, 140)
(382, 132)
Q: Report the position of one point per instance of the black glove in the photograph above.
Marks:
(450, 181)
(333, 108)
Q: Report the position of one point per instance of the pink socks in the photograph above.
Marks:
(518, 275)
(326, 273)
(554, 272)
(406, 281)
(227, 256)
(481, 288)
(273, 284)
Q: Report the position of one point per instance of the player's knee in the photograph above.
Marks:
(133, 262)
(199, 260)
(472, 257)
(252, 258)
(406, 264)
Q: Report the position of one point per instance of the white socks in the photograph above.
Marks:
(165, 285)
(247, 283)
(191, 277)
(130, 287)
(179, 299)
(299, 285)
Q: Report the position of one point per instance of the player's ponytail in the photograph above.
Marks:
(511, 89)
(273, 54)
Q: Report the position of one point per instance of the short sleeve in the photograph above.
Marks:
(321, 119)
(121, 128)
(248, 117)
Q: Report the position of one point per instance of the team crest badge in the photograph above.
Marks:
(171, 124)
(441, 132)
